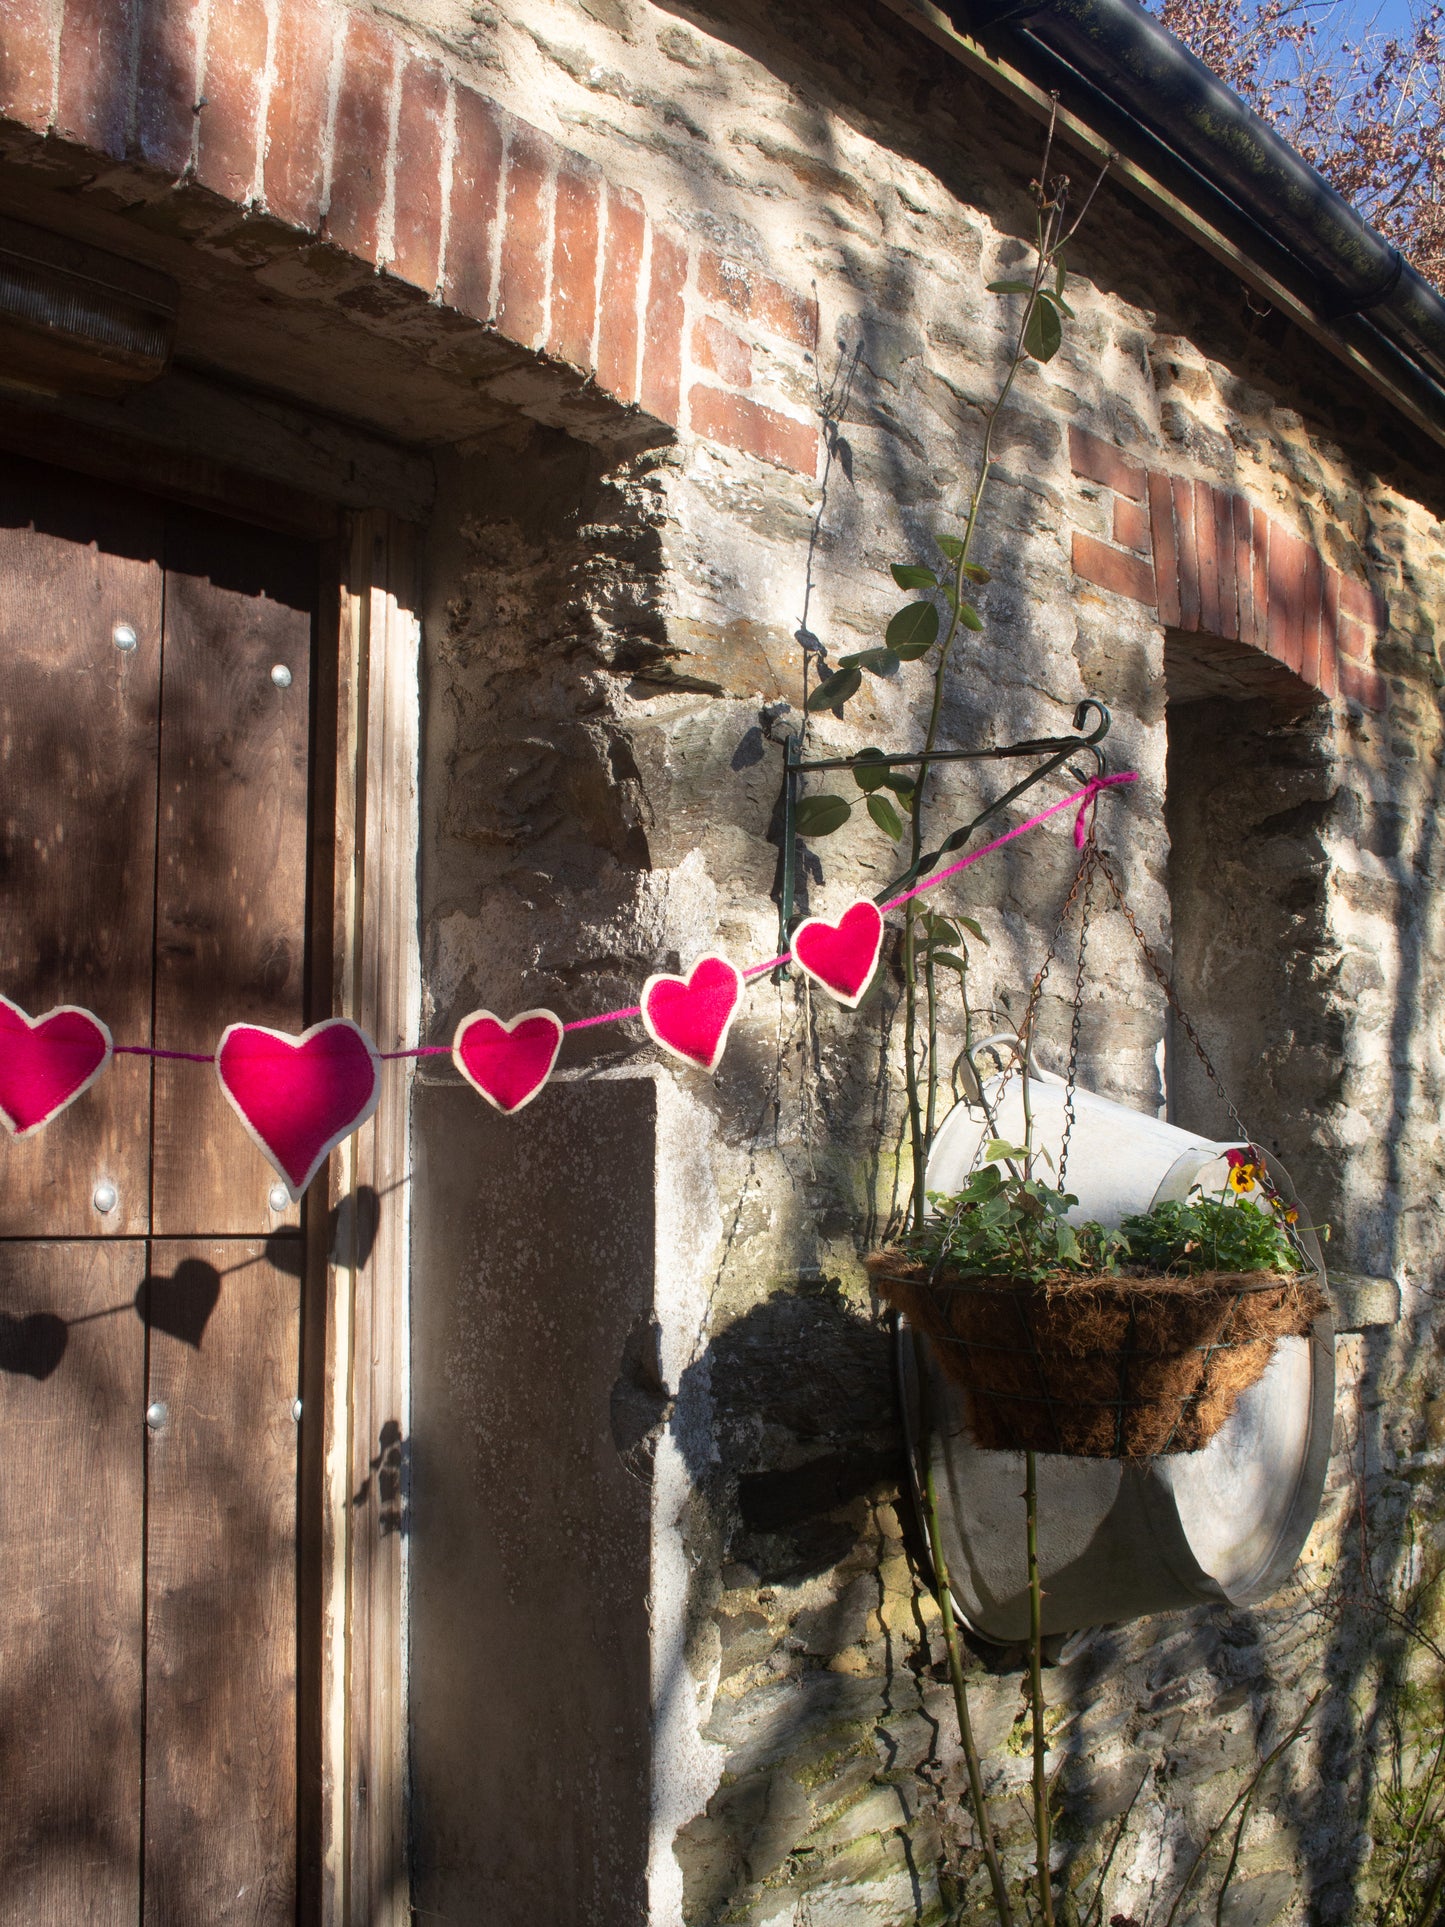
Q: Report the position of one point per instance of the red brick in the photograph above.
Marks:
(1131, 524)
(1362, 685)
(1354, 644)
(1241, 524)
(757, 296)
(27, 63)
(168, 84)
(1188, 554)
(522, 289)
(1166, 548)
(1313, 611)
(94, 93)
(1259, 597)
(1224, 562)
(742, 424)
(576, 231)
(1330, 634)
(1363, 604)
(362, 142)
(1206, 540)
(662, 330)
(1112, 569)
(296, 113)
(618, 333)
(1100, 461)
(230, 121)
(417, 203)
(1286, 597)
(718, 349)
(476, 197)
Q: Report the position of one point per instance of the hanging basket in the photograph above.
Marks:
(1100, 1367)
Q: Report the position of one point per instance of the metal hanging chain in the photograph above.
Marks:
(1092, 859)
(1167, 986)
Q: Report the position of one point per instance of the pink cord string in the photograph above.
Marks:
(1084, 799)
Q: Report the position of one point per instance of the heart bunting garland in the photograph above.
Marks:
(507, 1062)
(841, 956)
(691, 1016)
(46, 1062)
(298, 1097)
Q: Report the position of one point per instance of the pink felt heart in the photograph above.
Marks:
(46, 1062)
(507, 1063)
(299, 1096)
(842, 956)
(691, 1016)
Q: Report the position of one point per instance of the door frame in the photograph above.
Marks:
(352, 1833)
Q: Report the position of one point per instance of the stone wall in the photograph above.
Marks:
(612, 657)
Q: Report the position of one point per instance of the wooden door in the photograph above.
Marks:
(155, 751)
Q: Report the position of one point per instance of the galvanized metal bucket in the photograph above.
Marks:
(1116, 1540)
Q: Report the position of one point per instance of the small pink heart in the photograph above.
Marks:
(299, 1096)
(691, 1016)
(842, 956)
(46, 1062)
(507, 1063)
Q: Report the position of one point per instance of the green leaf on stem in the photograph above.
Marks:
(913, 631)
(833, 691)
(998, 1147)
(969, 616)
(913, 575)
(821, 815)
(885, 816)
(1044, 332)
(880, 662)
(937, 927)
(960, 964)
(976, 572)
(1010, 287)
(1057, 301)
(899, 783)
(867, 773)
(952, 547)
(974, 929)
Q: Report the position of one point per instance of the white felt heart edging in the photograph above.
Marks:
(35, 1023)
(669, 977)
(509, 1026)
(296, 1192)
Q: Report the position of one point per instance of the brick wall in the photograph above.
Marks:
(1212, 562)
(332, 125)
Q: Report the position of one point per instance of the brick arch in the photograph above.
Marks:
(1212, 563)
(326, 122)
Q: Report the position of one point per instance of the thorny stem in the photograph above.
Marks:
(1036, 1694)
(977, 1797)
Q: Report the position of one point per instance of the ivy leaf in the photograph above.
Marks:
(821, 815)
(976, 572)
(974, 929)
(913, 631)
(833, 691)
(969, 616)
(1010, 287)
(1044, 332)
(998, 1147)
(867, 773)
(881, 662)
(913, 575)
(952, 547)
(885, 816)
(900, 784)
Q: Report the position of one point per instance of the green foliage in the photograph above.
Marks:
(913, 631)
(833, 691)
(1043, 331)
(1003, 1223)
(1210, 1234)
(869, 770)
(885, 816)
(821, 815)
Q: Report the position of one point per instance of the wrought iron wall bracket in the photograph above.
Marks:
(1055, 752)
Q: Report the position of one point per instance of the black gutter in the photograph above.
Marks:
(1140, 89)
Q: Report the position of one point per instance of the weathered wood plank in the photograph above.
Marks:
(77, 823)
(231, 870)
(220, 1761)
(72, 1392)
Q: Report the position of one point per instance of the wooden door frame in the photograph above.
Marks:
(360, 1243)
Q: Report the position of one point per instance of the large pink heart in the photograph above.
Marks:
(299, 1096)
(46, 1062)
(507, 1063)
(691, 1016)
(842, 956)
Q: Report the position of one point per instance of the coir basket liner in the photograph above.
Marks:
(1100, 1367)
